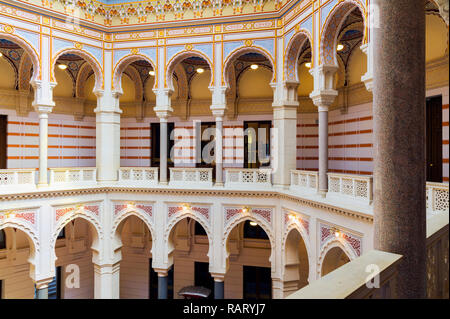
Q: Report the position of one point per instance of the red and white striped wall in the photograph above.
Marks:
(135, 143)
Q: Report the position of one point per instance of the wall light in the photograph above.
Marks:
(1, 54)
(292, 217)
(308, 65)
(200, 70)
(186, 207)
(336, 232)
(340, 47)
(254, 66)
(62, 66)
(152, 73)
(246, 209)
(130, 205)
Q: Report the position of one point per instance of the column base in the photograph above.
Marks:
(323, 193)
(221, 184)
(42, 185)
(163, 183)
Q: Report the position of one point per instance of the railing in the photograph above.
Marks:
(138, 176)
(352, 281)
(248, 176)
(183, 176)
(305, 181)
(17, 178)
(437, 256)
(437, 196)
(356, 187)
(73, 176)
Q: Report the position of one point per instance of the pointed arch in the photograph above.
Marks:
(89, 58)
(332, 26)
(29, 49)
(31, 234)
(134, 212)
(334, 243)
(138, 85)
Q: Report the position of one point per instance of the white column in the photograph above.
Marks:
(107, 281)
(323, 96)
(43, 105)
(163, 109)
(284, 157)
(218, 107)
(219, 151)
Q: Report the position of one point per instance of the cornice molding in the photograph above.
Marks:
(276, 194)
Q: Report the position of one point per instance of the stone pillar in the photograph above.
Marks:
(43, 145)
(43, 105)
(163, 109)
(107, 136)
(284, 157)
(162, 284)
(219, 151)
(107, 281)
(323, 98)
(399, 140)
(163, 150)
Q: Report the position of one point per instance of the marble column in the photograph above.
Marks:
(163, 150)
(43, 145)
(219, 151)
(399, 140)
(162, 285)
(323, 150)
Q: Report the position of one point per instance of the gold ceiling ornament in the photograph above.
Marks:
(189, 47)
(134, 51)
(8, 29)
(248, 43)
(78, 45)
(297, 28)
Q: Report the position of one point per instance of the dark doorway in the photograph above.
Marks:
(257, 283)
(155, 152)
(3, 140)
(206, 156)
(153, 282)
(257, 144)
(202, 277)
(254, 231)
(54, 288)
(1, 289)
(434, 139)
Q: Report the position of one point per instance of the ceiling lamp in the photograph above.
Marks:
(254, 66)
(340, 47)
(200, 70)
(62, 66)
(308, 65)
(252, 223)
(152, 73)
(1, 54)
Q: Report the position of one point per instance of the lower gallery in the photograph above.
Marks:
(262, 149)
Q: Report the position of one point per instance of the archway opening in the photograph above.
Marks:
(249, 271)
(16, 249)
(74, 267)
(188, 249)
(335, 258)
(296, 267)
(137, 280)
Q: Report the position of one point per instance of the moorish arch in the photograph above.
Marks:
(89, 58)
(169, 233)
(29, 49)
(178, 58)
(134, 76)
(30, 234)
(126, 61)
(292, 54)
(252, 218)
(334, 254)
(296, 259)
(228, 64)
(331, 29)
(82, 77)
(25, 73)
(119, 223)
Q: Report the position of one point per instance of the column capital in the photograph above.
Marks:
(162, 272)
(219, 277)
(323, 99)
(367, 78)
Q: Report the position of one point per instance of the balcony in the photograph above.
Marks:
(190, 177)
(245, 177)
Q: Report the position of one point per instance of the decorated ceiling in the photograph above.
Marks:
(129, 12)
